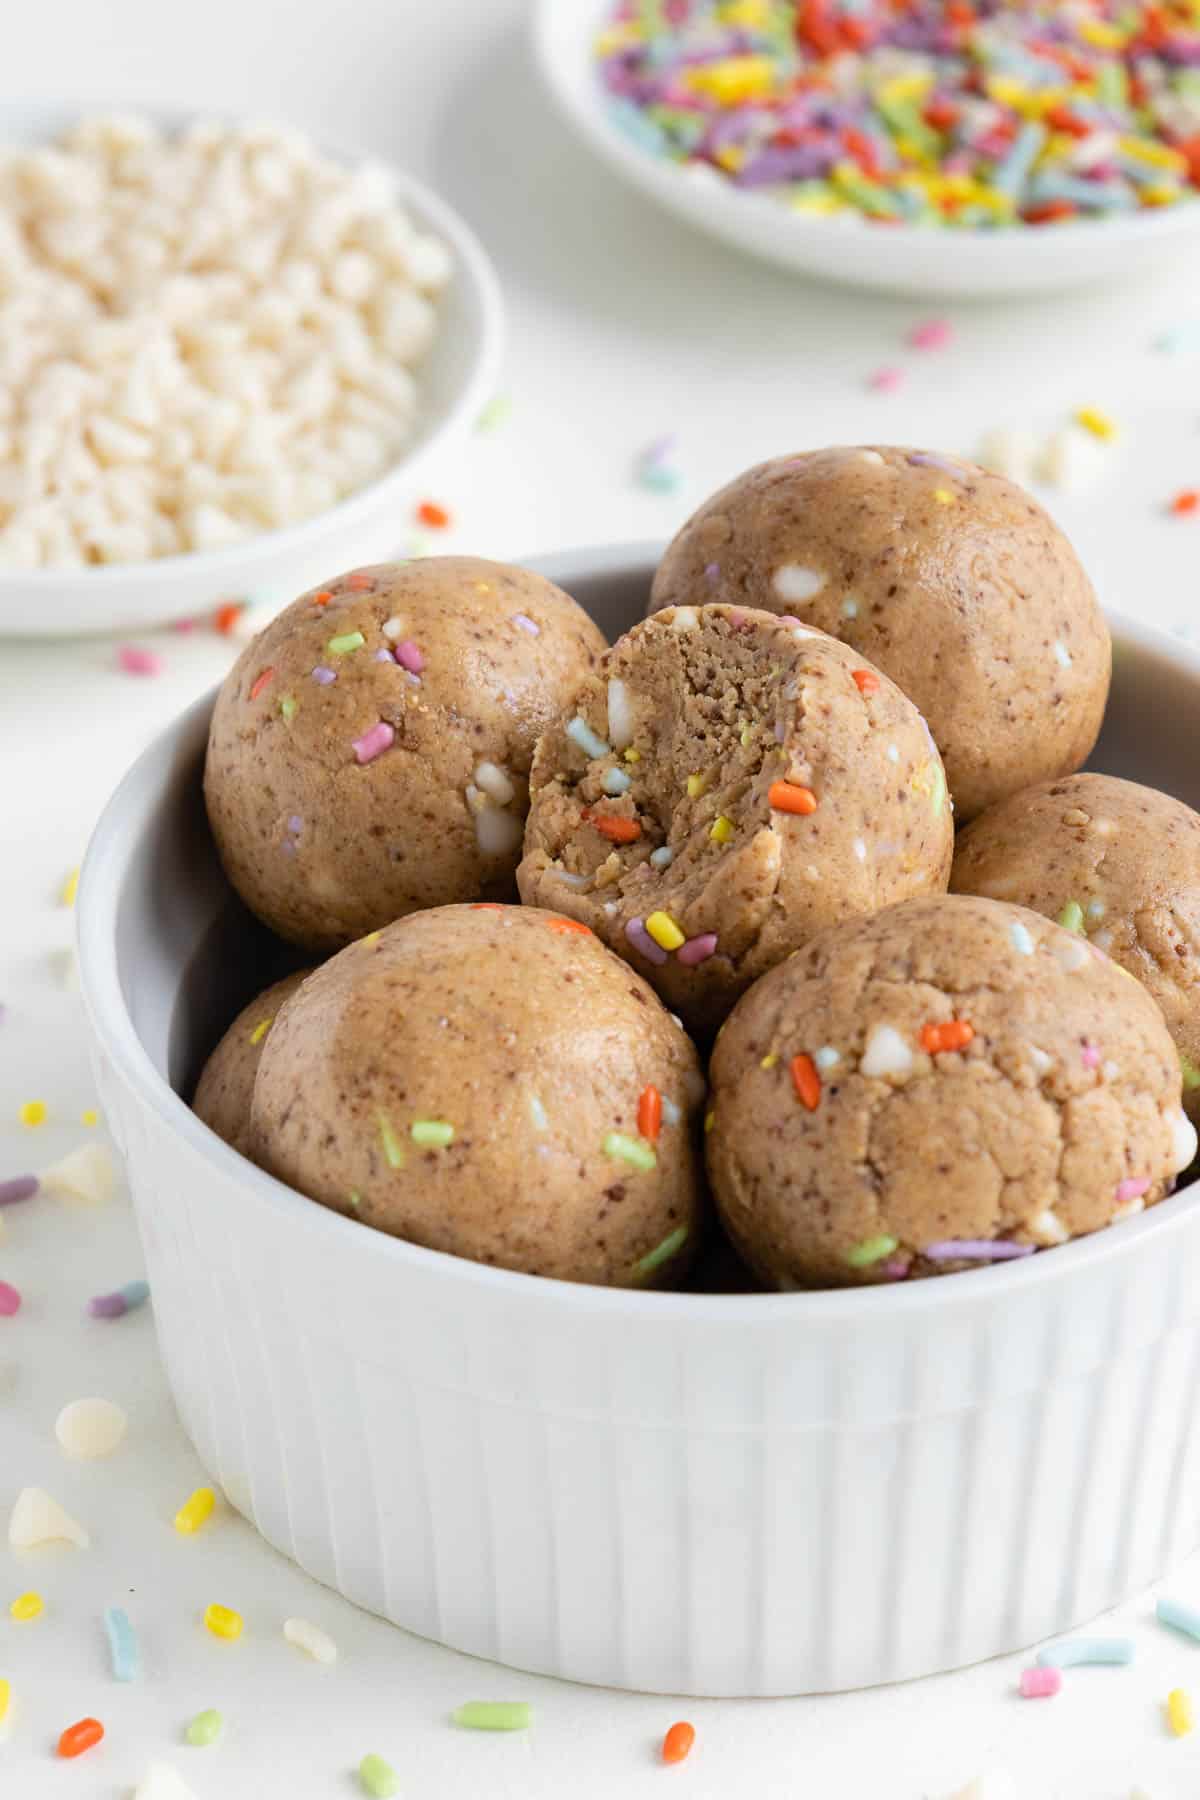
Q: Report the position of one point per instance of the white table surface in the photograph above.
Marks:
(624, 326)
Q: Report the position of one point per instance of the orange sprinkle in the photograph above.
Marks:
(323, 598)
(806, 1081)
(227, 615)
(678, 1742)
(866, 681)
(564, 925)
(616, 829)
(1047, 211)
(1187, 501)
(431, 514)
(80, 1737)
(359, 581)
(260, 682)
(955, 1034)
(488, 906)
(786, 796)
(649, 1120)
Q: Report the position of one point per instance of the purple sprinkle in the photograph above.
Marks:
(712, 571)
(409, 656)
(641, 940)
(295, 824)
(108, 1306)
(976, 1250)
(926, 459)
(697, 949)
(780, 730)
(324, 676)
(20, 1187)
(896, 1267)
(384, 656)
(660, 449)
(524, 623)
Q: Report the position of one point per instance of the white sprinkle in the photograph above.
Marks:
(1048, 1228)
(582, 735)
(616, 781)
(670, 1112)
(37, 1519)
(1183, 1141)
(850, 608)
(160, 1782)
(1110, 1070)
(886, 1053)
(90, 1428)
(793, 582)
(1021, 940)
(394, 629)
(620, 715)
(663, 857)
(1009, 453)
(1062, 655)
(87, 1174)
(684, 619)
(827, 1057)
(537, 1113)
(497, 833)
(1071, 956)
(524, 623)
(494, 782)
(1096, 909)
(1040, 1060)
(893, 754)
(860, 850)
(318, 1644)
(612, 908)
(569, 880)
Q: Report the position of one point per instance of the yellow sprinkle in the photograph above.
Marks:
(734, 79)
(632, 755)
(818, 205)
(90, 1116)
(722, 829)
(769, 1061)
(1097, 422)
(747, 736)
(194, 1511)
(696, 784)
(709, 1120)
(750, 13)
(372, 937)
(261, 1029)
(5, 1697)
(906, 87)
(618, 37)
(222, 1621)
(1159, 193)
(27, 1606)
(943, 496)
(730, 156)
(1180, 1716)
(1104, 37)
(665, 931)
(33, 1112)
(70, 888)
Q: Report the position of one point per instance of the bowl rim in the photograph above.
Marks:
(120, 830)
(678, 188)
(472, 266)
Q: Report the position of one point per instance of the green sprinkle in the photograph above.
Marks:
(494, 1715)
(630, 1150)
(377, 1778)
(710, 1119)
(654, 1259)
(494, 413)
(938, 798)
(205, 1728)
(1190, 1073)
(871, 1250)
(288, 708)
(354, 1199)
(1072, 916)
(432, 1134)
(391, 1144)
(349, 640)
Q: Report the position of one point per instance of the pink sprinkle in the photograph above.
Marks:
(641, 940)
(1040, 1683)
(886, 381)
(409, 657)
(1091, 1056)
(524, 623)
(931, 334)
(373, 743)
(10, 1300)
(135, 661)
(896, 1267)
(1132, 1188)
(697, 949)
(183, 625)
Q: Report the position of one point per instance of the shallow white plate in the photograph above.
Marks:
(454, 383)
(899, 259)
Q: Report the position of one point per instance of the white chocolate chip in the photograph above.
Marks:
(620, 716)
(886, 1053)
(37, 1519)
(685, 619)
(87, 1175)
(850, 607)
(869, 456)
(90, 1428)
(1075, 815)
(394, 629)
(1047, 1228)
(794, 582)
(1040, 1060)
(1183, 1141)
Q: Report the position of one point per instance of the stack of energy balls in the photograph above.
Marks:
(732, 836)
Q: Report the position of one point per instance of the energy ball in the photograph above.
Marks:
(951, 579)
(726, 785)
(1116, 862)
(491, 1082)
(226, 1085)
(950, 1083)
(369, 751)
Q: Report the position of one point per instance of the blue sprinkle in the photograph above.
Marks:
(1086, 1650)
(1181, 1617)
(617, 782)
(135, 1293)
(1012, 173)
(122, 1644)
(581, 733)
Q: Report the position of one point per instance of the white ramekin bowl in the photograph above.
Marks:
(454, 383)
(702, 1494)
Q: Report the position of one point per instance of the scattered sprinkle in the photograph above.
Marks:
(1071, 916)
(1040, 1683)
(122, 1644)
(1180, 1716)
(324, 676)
(1097, 422)
(1178, 1616)
(1019, 936)
(616, 782)
(696, 785)
(377, 1777)
(1132, 1188)
(434, 516)
(697, 949)
(360, 581)
(523, 622)
(196, 1510)
(1186, 502)
(261, 1029)
(582, 735)
(678, 1742)
(90, 1428)
(953, 1034)
(345, 643)
(806, 1081)
(976, 1250)
(33, 1113)
(10, 1300)
(311, 1639)
(87, 1175)
(866, 681)
(827, 1058)
(26, 1607)
(69, 889)
(931, 334)
(5, 1704)
(795, 583)
(569, 927)
(1071, 1652)
(665, 932)
(116, 1305)
(16, 1188)
(639, 937)
(649, 1113)
(788, 797)
(37, 1519)
(222, 1621)
(721, 829)
(538, 1114)
(886, 380)
(134, 661)
(227, 617)
(81, 1736)
(261, 683)
(769, 1060)
(614, 826)
(664, 856)
(392, 1148)
(654, 1259)
(205, 1728)
(288, 708)
(89, 1116)
(871, 1250)
(432, 1134)
(1047, 1228)
(628, 1149)
(494, 1715)
(654, 469)
(374, 742)
(1062, 655)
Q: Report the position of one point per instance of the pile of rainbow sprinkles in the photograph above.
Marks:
(968, 113)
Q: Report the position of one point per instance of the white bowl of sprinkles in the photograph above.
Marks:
(1127, 199)
(228, 357)
(698, 1493)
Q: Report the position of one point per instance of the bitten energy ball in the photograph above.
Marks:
(369, 751)
(1116, 862)
(226, 1084)
(952, 580)
(489, 1081)
(724, 787)
(951, 1082)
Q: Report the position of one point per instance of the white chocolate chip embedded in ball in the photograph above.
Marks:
(1040, 1060)
(886, 1053)
(394, 629)
(1183, 1141)
(793, 581)
(620, 716)
(494, 782)
(684, 619)
(1047, 1228)
(869, 456)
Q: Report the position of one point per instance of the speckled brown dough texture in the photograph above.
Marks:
(702, 712)
(226, 1085)
(1128, 858)
(1060, 1115)
(521, 1034)
(324, 846)
(951, 579)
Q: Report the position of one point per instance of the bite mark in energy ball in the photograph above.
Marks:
(950, 579)
(384, 767)
(960, 1124)
(1116, 863)
(489, 1081)
(771, 791)
(226, 1084)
